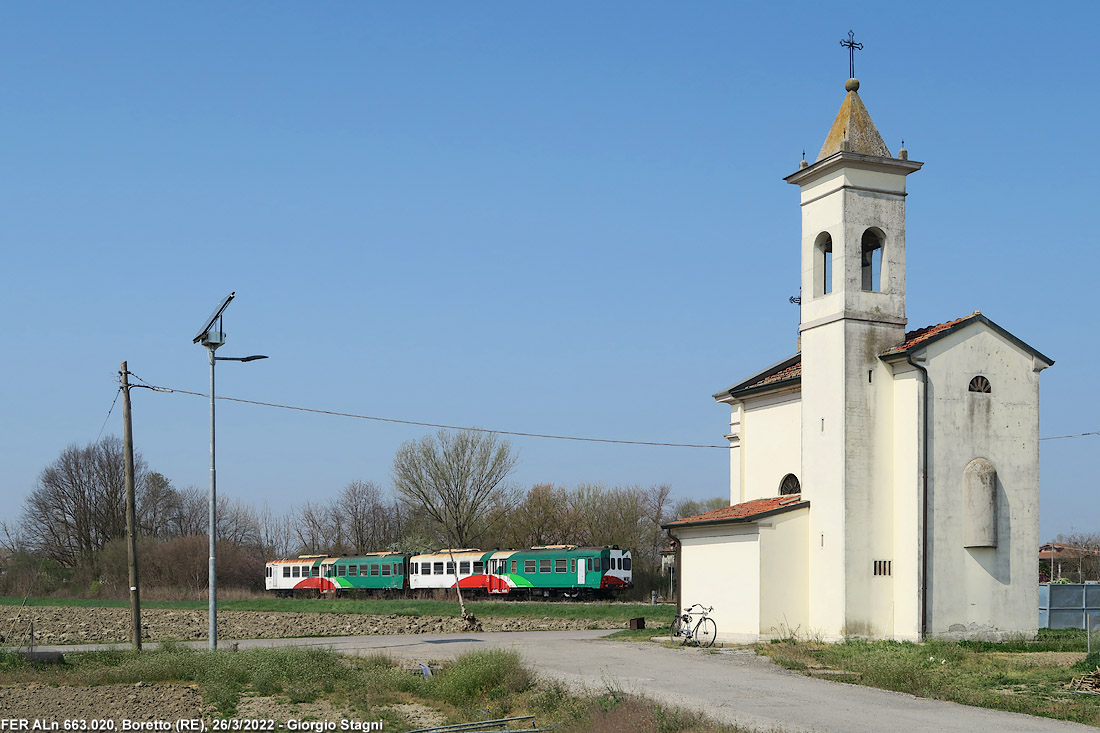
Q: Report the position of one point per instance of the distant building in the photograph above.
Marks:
(883, 483)
(1057, 560)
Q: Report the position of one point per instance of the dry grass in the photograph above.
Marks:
(1035, 683)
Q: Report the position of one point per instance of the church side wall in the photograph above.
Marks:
(906, 565)
(771, 444)
(721, 568)
(984, 591)
(823, 460)
(869, 495)
(784, 575)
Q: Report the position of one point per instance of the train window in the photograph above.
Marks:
(294, 572)
(513, 566)
(588, 565)
(626, 563)
(426, 569)
(450, 568)
(364, 570)
(437, 568)
(386, 568)
(560, 565)
(479, 567)
(286, 571)
(341, 570)
(572, 566)
(414, 568)
(353, 570)
(544, 565)
(464, 567)
(528, 566)
(374, 569)
(397, 569)
(315, 572)
(605, 563)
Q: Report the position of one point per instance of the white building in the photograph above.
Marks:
(883, 484)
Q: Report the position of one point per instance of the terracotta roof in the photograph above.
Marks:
(1060, 550)
(794, 371)
(921, 335)
(790, 370)
(747, 511)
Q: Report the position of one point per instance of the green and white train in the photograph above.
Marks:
(567, 571)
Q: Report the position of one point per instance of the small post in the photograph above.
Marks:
(1088, 633)
(131, 519)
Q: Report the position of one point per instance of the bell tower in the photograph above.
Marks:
(852, 310)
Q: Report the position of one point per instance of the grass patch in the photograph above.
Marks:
(597, 611)
(1001, 676)
(476, 686)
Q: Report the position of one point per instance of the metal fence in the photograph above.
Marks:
(1067, 605)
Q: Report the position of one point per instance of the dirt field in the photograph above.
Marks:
(77, 625)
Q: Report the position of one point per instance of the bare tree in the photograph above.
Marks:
(454, 478)
(77, 505)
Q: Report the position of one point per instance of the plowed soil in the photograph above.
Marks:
(82, 625)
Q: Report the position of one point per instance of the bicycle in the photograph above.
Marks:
(702, 632)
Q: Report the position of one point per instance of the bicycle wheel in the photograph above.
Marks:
(705, 632)
(676, 633)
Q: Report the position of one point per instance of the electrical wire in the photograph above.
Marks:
(113, 403)
(433, 425)
(1076, 435)
(335, 413)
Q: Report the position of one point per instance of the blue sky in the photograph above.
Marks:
(561, 218)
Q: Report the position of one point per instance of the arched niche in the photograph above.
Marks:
(980, 497)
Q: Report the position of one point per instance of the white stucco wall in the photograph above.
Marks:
(984, 591)
(784, 575)
(771, 444)
(906, 521)
(721, 568)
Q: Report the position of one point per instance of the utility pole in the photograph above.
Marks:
(131, 521)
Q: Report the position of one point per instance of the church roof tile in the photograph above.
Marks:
(748, 511)
(788, 372)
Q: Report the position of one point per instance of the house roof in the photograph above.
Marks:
(924, 336)
(784, 373)
(789, 371)
(749, 511)
(853, 129)
(1060, 550)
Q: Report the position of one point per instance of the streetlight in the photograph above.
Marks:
(211, 336)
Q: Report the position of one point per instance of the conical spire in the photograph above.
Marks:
(853, 129)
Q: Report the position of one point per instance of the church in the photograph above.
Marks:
(884, 483)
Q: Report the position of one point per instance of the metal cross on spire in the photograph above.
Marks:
(852, 47)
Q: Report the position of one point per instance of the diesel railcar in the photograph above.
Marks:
(549, 571)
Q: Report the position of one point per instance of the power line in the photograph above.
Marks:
(113, 403)
(430, 424)
(335, 413)
(1077, 435)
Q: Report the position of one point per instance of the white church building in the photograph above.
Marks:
(883, 483)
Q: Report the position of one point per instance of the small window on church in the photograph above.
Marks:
(823, 265)
(884, 567)
(980, 384)
(871, 260)
(789, 485)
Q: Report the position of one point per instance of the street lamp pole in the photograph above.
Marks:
(211, 336)
(213, 528)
